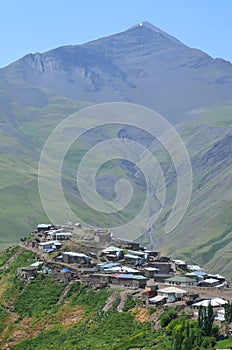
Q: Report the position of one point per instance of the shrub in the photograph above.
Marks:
(39, 297)
(168, 316)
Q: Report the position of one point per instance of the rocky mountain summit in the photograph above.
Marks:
(142, 65)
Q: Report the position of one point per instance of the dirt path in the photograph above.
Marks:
(123, 296)
(65, 291)
(110, 301)
(12, 258)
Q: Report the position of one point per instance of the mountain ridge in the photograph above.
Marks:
(130, 66)
(139, 66)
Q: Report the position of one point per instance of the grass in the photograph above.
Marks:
(225, 344)
(79, 294)
(31, 318)
(35, 305)
(25, 258)
(7, 254)
(38, 298)
(207, 218)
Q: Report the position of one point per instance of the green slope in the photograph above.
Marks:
(21, 139)
(203, 236)
(45, 314)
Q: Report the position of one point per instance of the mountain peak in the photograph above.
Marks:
(148, 25)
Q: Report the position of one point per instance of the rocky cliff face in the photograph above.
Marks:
(143, 65)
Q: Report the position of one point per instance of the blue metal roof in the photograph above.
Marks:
(65, 270)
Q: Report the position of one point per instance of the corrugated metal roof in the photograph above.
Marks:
(123, 269)
(108, 265)
(157, 298)
(130, 256)
(112, 249)
(180, 279)
(171, 290)
(211, 280)
(136, 252)
(44, 225)
(129, 276)
(80, 255)
(50, 243)
(37, 263)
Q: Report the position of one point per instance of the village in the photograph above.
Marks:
(98, 259)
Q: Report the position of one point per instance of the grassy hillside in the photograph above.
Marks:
(204, 234)
(22, 137)
(45, 314)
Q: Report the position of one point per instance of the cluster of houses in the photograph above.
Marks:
(125, 265)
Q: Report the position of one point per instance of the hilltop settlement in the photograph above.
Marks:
(98, 259)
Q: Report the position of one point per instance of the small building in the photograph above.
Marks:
(158, 300)
(44, 227)
(103, 236)
(98, 279)
(130, 244)
(107, 266)
(133, 259)
(59, 235)
(194, 268)
(58, 258)
(150, 272)
(133, 245)
(142, 255)
(172, 294)
(75, 258)
(196, 275)
(113, 253)
(150, 292)
(220, 315)
(161, 277)
(165, 267)
(209, 282)
(122, 269)
(27, 272)
(216, 303)
(64, 275)
(155, 254)
(49, 246)
(218, 277)
(152, 287)
(128, 280)
(37, 264)
(181, 264)
(181, 281)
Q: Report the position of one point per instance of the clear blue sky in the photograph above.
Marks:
(37, 26)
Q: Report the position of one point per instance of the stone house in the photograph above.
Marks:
(102, 236)
(172, 294)
(129, 280)
(165, 267)
(181, 281)
(27, 272)
(98, 279)
(75, 258)
(49, 246)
